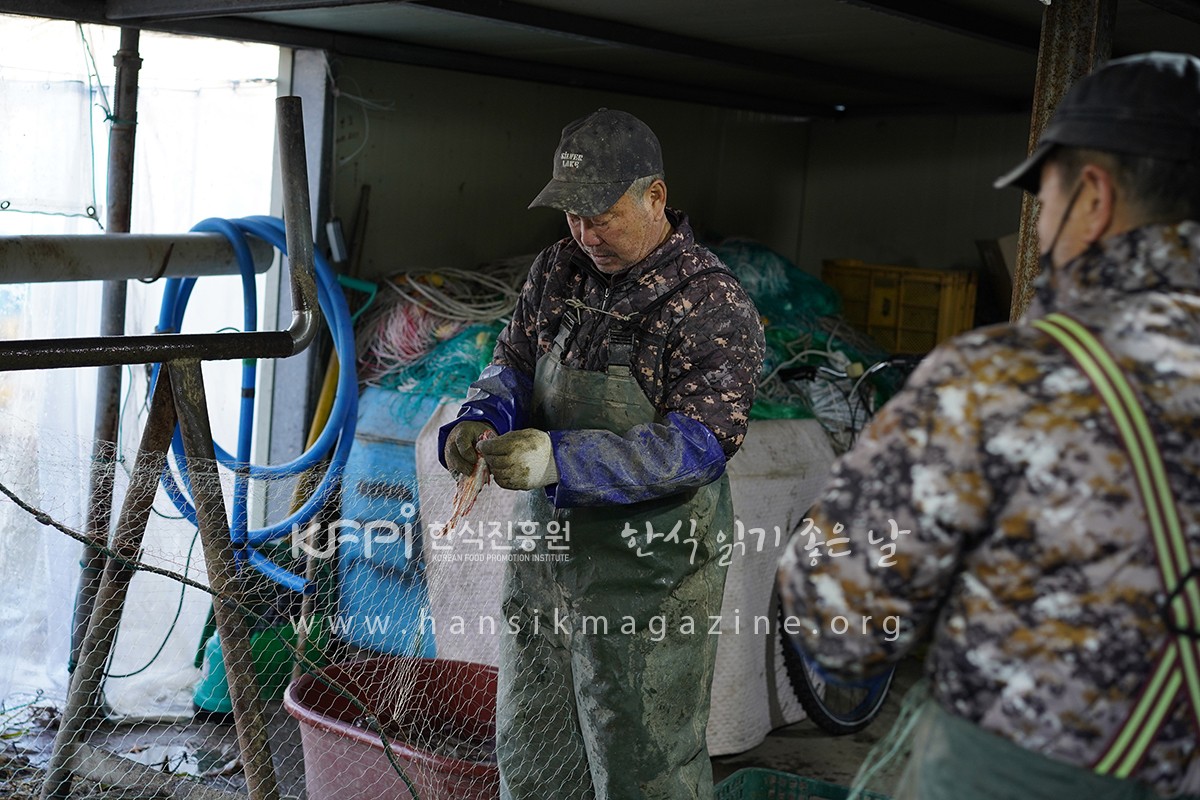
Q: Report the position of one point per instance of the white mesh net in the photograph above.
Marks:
(165, 697)
(396, 693)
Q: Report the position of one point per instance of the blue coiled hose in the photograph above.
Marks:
(337, 435)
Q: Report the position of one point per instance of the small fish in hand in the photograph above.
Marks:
(467, 492)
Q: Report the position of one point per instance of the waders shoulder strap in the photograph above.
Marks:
(623, 338)
(1177, 665)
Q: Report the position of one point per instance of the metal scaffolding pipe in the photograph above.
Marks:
(1076, 36)
(101, 350)
(297, 218)
(123, 256)
(306, 313)
(112, 323)
(122, 133)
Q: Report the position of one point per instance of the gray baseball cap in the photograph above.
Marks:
(1146, 105)
(598, 158)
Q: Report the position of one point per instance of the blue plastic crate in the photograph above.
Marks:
(379, 484)
(382, 609)
(381, 587)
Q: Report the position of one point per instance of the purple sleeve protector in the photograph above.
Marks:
(599, 468)
(500, 398)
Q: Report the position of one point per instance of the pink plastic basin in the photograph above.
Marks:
(445, 742)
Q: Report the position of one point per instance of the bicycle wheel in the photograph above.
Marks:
(837, 708)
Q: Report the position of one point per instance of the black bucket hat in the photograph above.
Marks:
(597, 160)
(1146, 105)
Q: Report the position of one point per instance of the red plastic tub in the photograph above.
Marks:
(439, 715)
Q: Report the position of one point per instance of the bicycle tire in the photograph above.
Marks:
(849, 709)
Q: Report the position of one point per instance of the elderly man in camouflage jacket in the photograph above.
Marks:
(996, 501)
(620, 388)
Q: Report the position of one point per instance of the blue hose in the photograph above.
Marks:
(337, 435)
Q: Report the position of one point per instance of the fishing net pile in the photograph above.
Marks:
(433, 333)
(814, 359)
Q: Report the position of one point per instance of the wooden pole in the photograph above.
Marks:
(223, 577)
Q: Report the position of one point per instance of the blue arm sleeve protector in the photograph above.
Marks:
(500, 398)
(597, 468)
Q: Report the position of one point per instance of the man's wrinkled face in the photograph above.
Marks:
(624, 234)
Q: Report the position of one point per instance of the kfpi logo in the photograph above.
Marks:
(321, 541)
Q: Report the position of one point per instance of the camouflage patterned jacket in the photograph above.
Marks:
(992, 503)
(698, 356)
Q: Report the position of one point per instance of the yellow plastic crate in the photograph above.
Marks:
(904, 309)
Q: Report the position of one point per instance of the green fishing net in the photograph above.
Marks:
(803, 326)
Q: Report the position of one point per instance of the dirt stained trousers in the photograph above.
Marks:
(606, 661)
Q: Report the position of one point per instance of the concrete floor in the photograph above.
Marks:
(806, 750)
(212, 746)
(800, 749)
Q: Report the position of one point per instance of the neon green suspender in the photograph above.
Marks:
(1177, 667)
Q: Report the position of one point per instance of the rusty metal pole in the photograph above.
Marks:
(97, 645)
(1076, 37)
(192, 407)
(112, 323)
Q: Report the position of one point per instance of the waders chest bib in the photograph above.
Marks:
(606, 660)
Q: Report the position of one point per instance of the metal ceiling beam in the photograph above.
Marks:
(461, 61)
(917, 97)
(577, 26)
(1184, 9)
(93, 11)
(75, 10)
(957, 20)
(122, 10)
(606, 32)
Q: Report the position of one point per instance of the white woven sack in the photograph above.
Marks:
(464, 577)
(775, 478)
